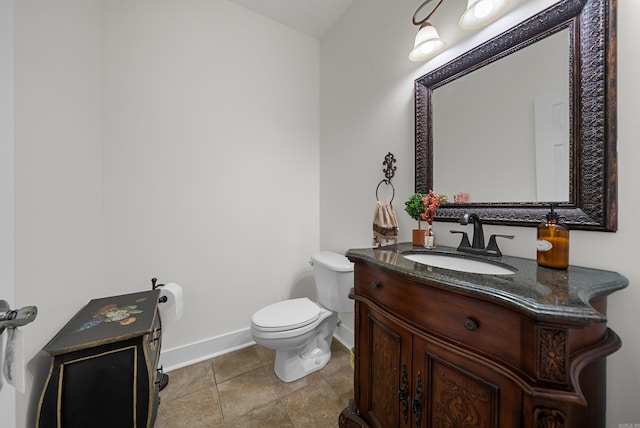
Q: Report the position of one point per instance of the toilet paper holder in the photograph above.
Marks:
(13, 318)
(163, 378)
(154, 285)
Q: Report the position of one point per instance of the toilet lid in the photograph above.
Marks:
(286, 315)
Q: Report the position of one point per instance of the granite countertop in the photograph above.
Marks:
(539, 292)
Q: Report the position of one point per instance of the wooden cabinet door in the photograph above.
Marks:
(384, 367)
(459, 391)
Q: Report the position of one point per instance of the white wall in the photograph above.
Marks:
(367, 110)
(210, 158)
(7, 184)
(162, 138)
(58, 163)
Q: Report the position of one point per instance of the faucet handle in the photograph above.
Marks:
(464, 243)
(493, 245)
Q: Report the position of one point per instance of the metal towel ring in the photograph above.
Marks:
(389, 172)
(388, 182)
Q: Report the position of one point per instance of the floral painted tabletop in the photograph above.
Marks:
(107, 320)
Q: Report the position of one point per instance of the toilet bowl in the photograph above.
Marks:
(300, 330)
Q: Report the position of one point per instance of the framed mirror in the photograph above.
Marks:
(516, 142)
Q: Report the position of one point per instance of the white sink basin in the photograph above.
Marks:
(459, 264)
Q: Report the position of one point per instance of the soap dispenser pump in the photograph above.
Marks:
(553, 242)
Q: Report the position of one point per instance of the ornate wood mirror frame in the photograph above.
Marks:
(592, 82)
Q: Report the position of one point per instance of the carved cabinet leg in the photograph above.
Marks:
(349, 418)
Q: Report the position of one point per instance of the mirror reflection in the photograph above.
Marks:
(512, 119)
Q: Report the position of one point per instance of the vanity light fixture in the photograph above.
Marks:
(482, 12)
(428, 43)
(478, 14)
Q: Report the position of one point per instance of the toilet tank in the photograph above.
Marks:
(333, 274)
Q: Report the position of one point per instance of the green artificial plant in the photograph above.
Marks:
(414, 206)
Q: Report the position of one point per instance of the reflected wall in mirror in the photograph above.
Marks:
(516, 142)
(507, 133)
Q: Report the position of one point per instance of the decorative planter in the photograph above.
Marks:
(418, 237)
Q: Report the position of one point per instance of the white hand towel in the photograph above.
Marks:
(14, 364)
(1, 355)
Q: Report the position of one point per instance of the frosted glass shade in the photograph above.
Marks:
(427, 44)
(481, 12)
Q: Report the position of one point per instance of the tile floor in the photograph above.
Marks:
(240, 390)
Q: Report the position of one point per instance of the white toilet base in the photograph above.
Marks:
(290, 366)
(294, 364)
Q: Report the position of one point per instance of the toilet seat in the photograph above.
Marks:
(286, 315)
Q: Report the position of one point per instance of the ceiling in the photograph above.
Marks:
(316, 17)
(312, 17)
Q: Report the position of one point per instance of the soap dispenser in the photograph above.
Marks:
(553, 242)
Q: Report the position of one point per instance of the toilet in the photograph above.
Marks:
(300, 330)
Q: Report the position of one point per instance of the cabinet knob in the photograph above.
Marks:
(470, 324)
(375, 285)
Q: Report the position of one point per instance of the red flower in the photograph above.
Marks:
(431, 203)
(107, 308)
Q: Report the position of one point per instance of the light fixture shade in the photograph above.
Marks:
(427, 44)
(481, 12)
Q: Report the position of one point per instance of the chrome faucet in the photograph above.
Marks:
(477, 246)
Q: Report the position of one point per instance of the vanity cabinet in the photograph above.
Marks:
(103, 370)
(420, 369)
(434, 354)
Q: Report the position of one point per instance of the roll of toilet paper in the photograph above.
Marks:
(171, 310)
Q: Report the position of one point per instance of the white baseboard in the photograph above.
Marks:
(344, 335)
(175, 358)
